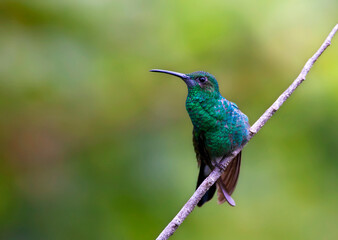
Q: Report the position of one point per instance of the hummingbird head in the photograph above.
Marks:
(198, 81)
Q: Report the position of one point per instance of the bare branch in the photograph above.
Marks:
(216, 173)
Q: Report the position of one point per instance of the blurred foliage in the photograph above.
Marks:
(93, 146)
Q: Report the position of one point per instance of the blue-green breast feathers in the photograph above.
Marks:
(224, 125)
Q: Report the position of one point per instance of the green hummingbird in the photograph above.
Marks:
(219, 127)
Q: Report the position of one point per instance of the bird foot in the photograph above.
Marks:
(219, 166)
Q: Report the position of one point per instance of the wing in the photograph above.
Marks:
(203, 160)
(200, 149)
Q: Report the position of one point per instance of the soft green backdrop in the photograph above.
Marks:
(93, 146)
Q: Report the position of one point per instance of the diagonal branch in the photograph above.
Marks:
(216, 173)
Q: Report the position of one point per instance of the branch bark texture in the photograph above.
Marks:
(216, 173)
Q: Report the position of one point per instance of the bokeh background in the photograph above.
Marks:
(93, 146)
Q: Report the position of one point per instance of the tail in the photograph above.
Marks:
(226, 184)
(204, 172)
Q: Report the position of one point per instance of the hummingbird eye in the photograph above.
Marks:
(202, 79)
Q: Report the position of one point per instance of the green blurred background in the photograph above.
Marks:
(93, 146)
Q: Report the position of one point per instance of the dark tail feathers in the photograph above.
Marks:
(204, 172)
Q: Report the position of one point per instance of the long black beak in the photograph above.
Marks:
(183, 76)
(180, 75)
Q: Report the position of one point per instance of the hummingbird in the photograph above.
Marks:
(219, 127)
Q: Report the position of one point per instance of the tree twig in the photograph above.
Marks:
(216, 173)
